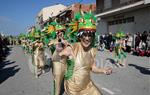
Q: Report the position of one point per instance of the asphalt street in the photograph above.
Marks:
(16, 77)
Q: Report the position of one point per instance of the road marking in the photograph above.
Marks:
(107, 90)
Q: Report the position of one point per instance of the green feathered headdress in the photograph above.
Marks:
(120, 35)
(43, 34)
(37, 34)
(21, 36)
(87, 21)
(59, 27)
(53, 28)
(82, 21)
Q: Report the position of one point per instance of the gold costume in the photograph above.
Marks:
(39, 57)
(59, 67)
(80, 82)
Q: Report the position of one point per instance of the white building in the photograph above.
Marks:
(47, 12)
(131, 16)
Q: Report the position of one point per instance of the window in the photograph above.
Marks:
(121, 21)
(116, 21)
(107, 4)
(124, 20)
(130, 19)
(110, 23)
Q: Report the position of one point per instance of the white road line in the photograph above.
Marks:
(107, 90)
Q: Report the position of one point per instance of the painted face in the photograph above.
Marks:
(86, 40)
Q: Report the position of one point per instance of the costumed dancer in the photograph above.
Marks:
(59, 63)
(120, 55)
(31, 40)
(38, 47)
(23, 41)
(82, 59)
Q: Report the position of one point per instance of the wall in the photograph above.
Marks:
(141, 21)
(101, 26)
(147, 1)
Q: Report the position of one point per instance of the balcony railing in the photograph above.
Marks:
(118, 5)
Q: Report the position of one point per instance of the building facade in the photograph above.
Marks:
(48, 12)
(130, 16)
(68, 14)
(64, 14)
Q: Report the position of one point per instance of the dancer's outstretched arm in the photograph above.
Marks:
(95, 69)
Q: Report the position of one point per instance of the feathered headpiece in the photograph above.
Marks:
(120, 35)
(82, 22)
(87, 21)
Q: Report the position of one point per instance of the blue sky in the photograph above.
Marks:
(17, 15)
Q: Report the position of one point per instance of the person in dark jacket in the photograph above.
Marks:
(137, 40)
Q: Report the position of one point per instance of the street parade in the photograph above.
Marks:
(74, 53)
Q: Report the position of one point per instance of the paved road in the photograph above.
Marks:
(19, 80)
(132, 80)
(16, 78)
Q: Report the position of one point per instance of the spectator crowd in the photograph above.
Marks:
(4, 41)
(136, 44)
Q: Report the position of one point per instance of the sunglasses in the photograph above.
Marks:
(90, 34)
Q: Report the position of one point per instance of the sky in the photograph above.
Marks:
(17, 15)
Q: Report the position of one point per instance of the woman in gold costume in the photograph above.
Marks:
(59, 65)
(82, 61)
(82, 56)
(38, 47)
